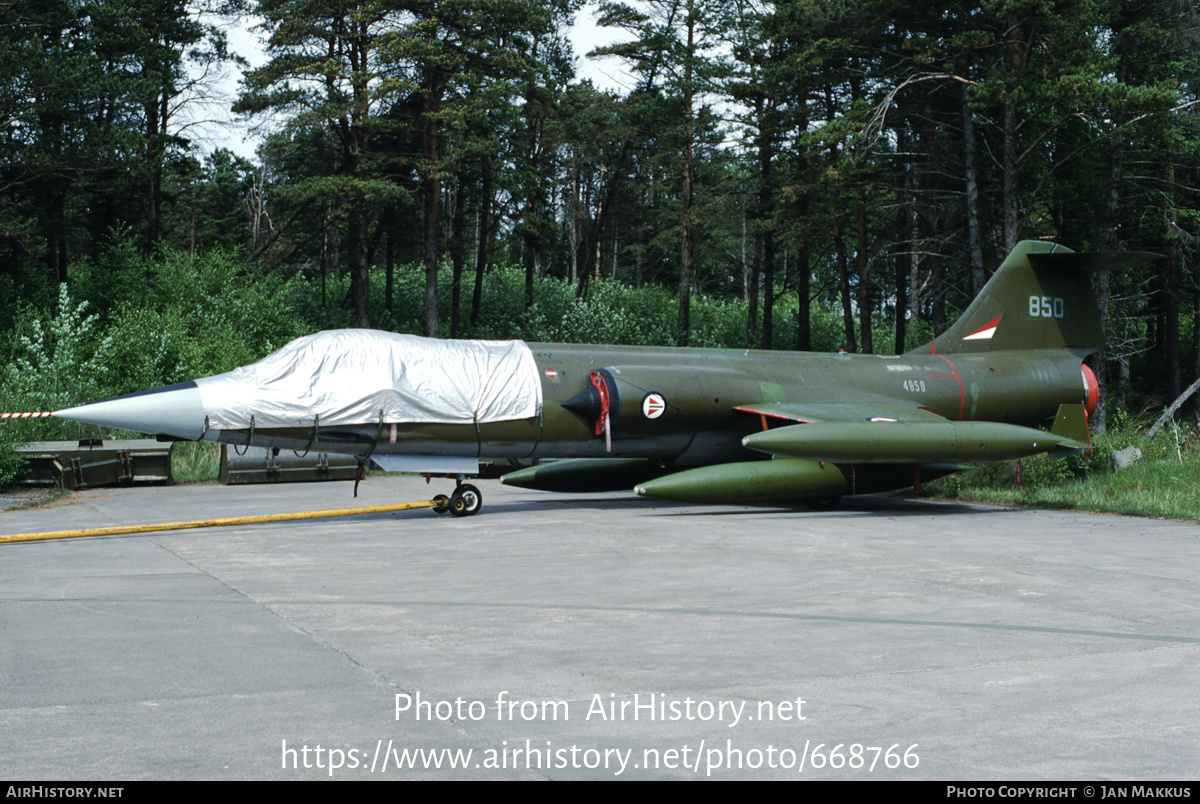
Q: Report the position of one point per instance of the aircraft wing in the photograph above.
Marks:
(866, 433)
(814, 412)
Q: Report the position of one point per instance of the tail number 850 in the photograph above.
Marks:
(1045, 307)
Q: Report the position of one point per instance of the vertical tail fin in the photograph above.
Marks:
(1039, 298)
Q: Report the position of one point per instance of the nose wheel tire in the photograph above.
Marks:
(466, 500)
(441, 504)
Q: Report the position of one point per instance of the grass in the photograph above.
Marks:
(1166, 483)
(195, 461)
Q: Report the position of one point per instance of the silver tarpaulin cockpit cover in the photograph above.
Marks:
(351, 376)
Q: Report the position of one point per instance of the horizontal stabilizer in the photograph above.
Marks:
(1071, 423)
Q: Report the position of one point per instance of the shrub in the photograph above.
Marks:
(54, 364)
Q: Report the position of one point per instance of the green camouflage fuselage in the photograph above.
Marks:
(712, 399)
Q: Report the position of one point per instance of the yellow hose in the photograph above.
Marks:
(217, 523)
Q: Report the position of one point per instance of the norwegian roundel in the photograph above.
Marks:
(653, 405)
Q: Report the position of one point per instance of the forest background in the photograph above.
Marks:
(818, 174)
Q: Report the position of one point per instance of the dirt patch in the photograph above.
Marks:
(29, 498)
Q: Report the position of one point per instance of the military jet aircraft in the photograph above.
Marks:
(691, 425)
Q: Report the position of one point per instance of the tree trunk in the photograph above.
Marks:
(753, 289)
(1011, 206)
(901, 285)
(1101, 280)
(390, 266)
(851, 344)
(431, 184)
(803, 309)
(685, 246)
(573, 227)
(458, 257)
(864, 279)
(768, 284)
(1018, 56)
(483, 252)
(359, 278)
(974, 236)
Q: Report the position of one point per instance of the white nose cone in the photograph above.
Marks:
(174, 410)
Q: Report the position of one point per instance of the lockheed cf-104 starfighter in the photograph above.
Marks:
(691, 425)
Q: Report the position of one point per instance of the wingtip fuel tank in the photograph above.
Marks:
(786, 480)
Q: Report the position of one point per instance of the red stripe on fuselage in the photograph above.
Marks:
(962, 396)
